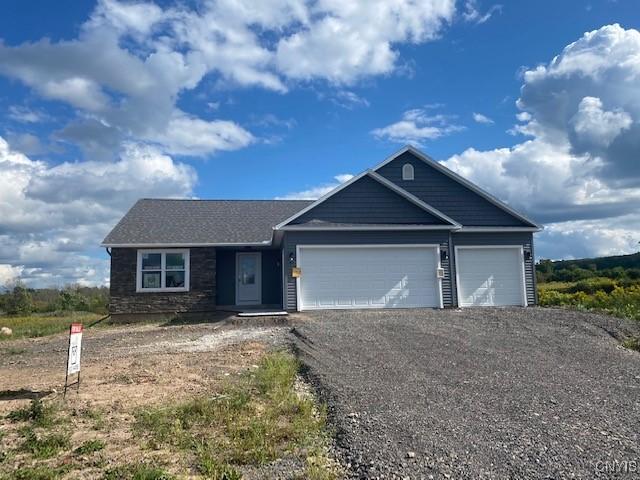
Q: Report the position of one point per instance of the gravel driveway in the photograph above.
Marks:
(489, 393)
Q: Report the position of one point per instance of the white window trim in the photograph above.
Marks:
(184, 251)
(408, 172)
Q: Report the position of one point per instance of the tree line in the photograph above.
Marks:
(21, 300)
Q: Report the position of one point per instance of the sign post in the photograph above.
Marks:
(73, 356)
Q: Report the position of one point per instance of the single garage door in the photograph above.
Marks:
(490, 276)
(343, 277)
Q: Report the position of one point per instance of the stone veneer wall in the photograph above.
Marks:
(201, 296)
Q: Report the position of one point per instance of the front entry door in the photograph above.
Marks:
(248, 278)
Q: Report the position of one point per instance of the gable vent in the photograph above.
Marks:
(407, 171)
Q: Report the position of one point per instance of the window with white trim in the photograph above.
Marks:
(163, 270)
(407, 171)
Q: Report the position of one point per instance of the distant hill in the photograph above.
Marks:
(618, 267)
(601, 263)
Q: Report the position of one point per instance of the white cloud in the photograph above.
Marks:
(24, 114)
(480, 118)
(150, 55)
(53, 216)
(186, 135)
(316, 192)
(416, 126)
(349, 100)
(345, 41)
(472, 14)
(9, 274)
(594, 125)
(578, 171)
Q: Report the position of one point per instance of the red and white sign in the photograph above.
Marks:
(75, 348)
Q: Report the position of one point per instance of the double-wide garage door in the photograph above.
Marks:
(344, 277)
(490, 276)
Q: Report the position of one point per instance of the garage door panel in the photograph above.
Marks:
(368, 277)
(490, 276)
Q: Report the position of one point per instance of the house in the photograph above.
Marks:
(406, 233)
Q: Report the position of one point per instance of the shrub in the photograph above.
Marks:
(593, 285)
(19, 302)
(620, 302)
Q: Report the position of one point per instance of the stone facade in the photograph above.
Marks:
(201, 296)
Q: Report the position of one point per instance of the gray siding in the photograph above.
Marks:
(524, 238)
(200, 298)
(293, 239)
(367, 201)
(446, 194)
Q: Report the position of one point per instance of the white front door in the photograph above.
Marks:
(248, 278)
(368, 276)
(490, 276)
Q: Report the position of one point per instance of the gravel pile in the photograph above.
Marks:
(487, 393)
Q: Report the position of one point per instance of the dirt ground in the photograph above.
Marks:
(125, 367)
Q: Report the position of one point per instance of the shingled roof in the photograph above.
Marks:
(201, 222)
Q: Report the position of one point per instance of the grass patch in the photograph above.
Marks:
(41, 325)
(212, 469)
(254, 420)
(37, 473)
(44, 446)
(89, 447)
(37, 412)
(96, 416)
(632, 343)
(137, 472)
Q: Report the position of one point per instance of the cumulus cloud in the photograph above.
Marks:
(318, 191)
(480, 118)
(416, 126)
(578, 171)
(345, 41)
(597, 127)
(150, 55)
(52, 216)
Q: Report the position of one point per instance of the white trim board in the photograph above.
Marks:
(265, 243)
(523, 277)
(497, 229)
(365, 227)
(382, 181)
(434, 246)
(451, 174)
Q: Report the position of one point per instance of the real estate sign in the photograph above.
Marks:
(75, 348)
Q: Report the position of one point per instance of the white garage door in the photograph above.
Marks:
(490, 276)
(368, 277)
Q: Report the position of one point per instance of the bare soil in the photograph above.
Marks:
(125, 367)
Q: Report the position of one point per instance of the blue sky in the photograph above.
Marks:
(101, 103)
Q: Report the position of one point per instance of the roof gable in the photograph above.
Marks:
(453, 195)
(369, 199)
